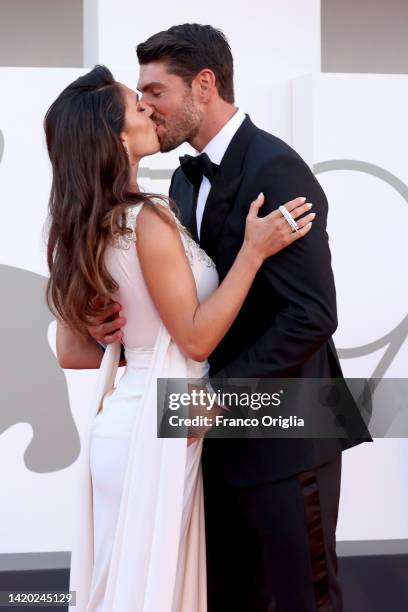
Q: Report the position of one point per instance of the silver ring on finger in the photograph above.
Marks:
(291, 221)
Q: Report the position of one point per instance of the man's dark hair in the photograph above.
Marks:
(189, 48)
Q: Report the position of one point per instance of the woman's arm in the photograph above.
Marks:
(302, 281)
(197, 327)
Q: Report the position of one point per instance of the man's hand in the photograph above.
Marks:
(201, 409)
(106, 327)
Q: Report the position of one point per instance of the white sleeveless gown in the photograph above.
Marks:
(139, 537)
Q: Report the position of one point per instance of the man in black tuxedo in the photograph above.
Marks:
(271, 505)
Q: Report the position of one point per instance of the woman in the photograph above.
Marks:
(139, 540)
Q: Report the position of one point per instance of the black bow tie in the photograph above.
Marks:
(195, 168)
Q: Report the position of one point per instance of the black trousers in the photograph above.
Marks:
(272, 547)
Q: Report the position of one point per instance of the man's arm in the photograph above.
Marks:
(104, 328)
(300, 276)
(76, 352)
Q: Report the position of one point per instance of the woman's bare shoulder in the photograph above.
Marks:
(157, 228)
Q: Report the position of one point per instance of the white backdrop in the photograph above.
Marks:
(327, 117)
(359, 122)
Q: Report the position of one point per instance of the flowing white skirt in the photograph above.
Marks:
(108, 464)
(139, 545)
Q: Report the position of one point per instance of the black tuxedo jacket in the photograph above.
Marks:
(285, 326)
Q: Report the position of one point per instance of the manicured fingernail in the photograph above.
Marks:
(309, 225)
(309, 205)
(313, 215)
(303, 200)
(260, 195)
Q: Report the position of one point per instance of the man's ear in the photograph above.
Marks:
(205, 83)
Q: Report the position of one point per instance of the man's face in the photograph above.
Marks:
(176, 113)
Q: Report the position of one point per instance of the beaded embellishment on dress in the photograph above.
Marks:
(124, 241)
(193, 251)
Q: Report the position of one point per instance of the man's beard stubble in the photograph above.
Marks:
(181, 127)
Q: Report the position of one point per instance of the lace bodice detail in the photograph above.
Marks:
(122, 261)
(193, 251)
(125, 241)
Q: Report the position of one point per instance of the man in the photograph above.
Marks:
(271, 505)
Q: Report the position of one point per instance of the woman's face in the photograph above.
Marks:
(140, 133)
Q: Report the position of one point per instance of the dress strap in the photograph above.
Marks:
(125, 241)
(131, 214)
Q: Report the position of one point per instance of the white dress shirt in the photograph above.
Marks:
(215, 150)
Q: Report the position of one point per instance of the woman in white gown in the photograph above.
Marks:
(139, 529)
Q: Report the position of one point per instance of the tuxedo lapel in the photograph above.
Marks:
(219, 202)
(225, 186)
(183, 193)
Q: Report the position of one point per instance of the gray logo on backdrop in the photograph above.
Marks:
(33, 388)
(395, 338)
(1, 145)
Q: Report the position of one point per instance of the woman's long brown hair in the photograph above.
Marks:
(89, 195)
